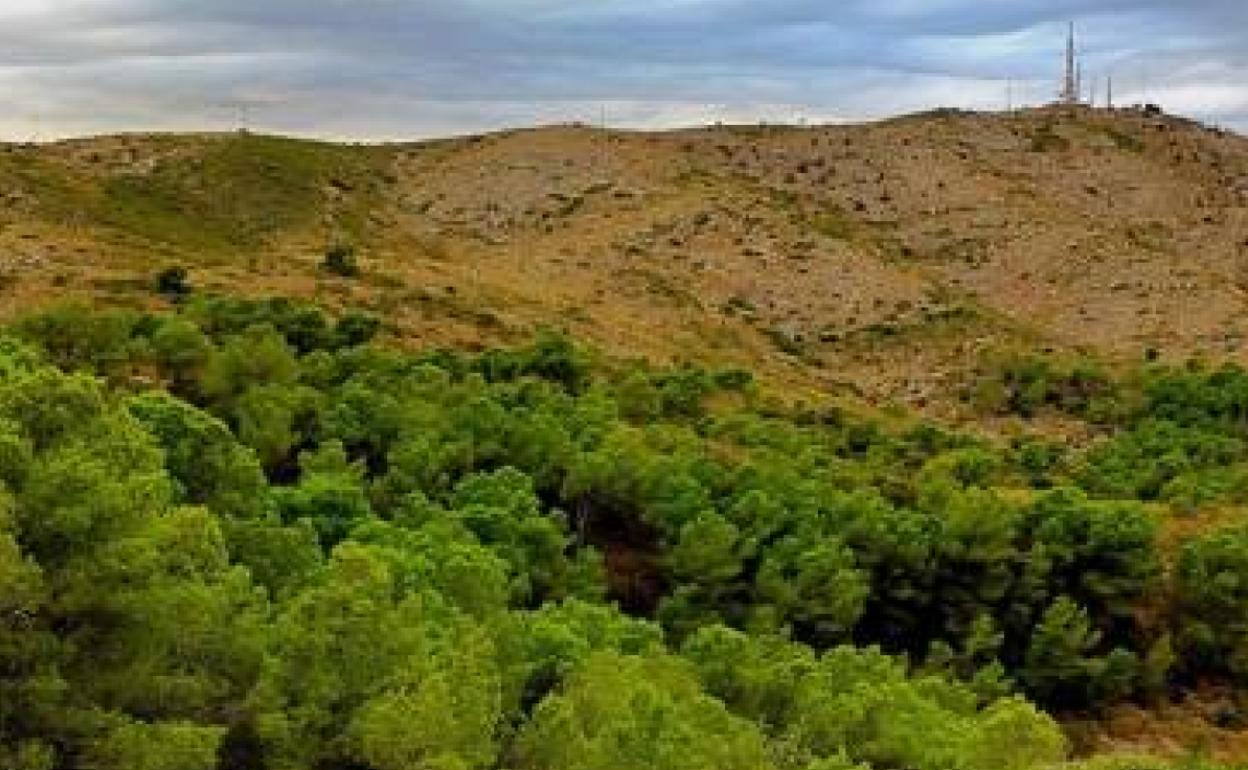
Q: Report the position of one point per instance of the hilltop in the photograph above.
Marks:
(880, 262)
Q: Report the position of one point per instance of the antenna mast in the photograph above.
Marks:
(1070, 84)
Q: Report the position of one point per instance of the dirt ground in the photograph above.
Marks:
(872, 262)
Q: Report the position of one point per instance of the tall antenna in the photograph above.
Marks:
(1070, 83)
(1109, 93)
(240, 113)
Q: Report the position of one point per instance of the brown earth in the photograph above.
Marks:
(876, 261)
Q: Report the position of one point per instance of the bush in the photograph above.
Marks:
(340, 260)
(356, 328)
(173, 283)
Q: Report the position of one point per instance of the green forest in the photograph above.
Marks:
(248, 534)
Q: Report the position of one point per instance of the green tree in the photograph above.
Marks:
(545, 645)
(440, 710)
(633, 712)
(814, 585)
(1212, 604)
(356, 656)
(133, 745)
(502, 510)
(1062, 667)
(209, 465)
(862, 704)
(181, 350)
(330, 495)
(756, 676)
(76, 336)
(129, 608)
(257, 356)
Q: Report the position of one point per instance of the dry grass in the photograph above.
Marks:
(880, 259)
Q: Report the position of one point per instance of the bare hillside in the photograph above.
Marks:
(880, 259)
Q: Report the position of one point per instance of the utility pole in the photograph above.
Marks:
(605, 152)
(244, 114)
(239, 114)
(1109, 93)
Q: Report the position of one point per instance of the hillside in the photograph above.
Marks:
(912, 446)
(877, 260)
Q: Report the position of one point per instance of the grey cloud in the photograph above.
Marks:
(390, 68)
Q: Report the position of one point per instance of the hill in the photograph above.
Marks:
(880, 261)
(305, 478)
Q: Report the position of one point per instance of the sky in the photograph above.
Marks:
(403, 69)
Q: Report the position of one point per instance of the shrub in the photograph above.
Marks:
(356, 328)
(340, 260)
(173, 283)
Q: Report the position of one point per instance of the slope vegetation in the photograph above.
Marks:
(878, 260)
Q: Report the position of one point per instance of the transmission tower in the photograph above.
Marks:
(1070, 83)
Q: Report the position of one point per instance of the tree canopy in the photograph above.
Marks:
(245, 535)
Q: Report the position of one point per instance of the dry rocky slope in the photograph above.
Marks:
(880, 261)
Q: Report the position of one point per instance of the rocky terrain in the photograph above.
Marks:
(880, 262)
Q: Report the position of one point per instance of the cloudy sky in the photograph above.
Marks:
(381, 69)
